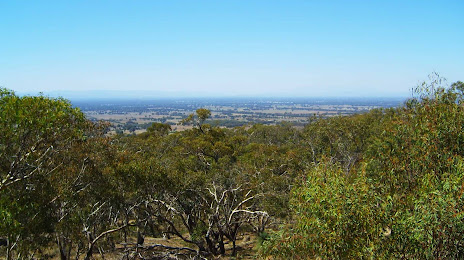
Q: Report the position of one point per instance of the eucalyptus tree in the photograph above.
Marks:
(36, 134)
(416, 168)
(188, 187)
(403, 199)
(57, 178)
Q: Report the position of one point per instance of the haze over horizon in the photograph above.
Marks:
(228, 48)
(155, 95)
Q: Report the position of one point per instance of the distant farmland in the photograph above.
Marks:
(134, 116)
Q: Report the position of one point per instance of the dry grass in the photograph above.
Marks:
(246, 248)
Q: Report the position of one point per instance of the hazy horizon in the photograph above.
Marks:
(147, 95)
(229, 48)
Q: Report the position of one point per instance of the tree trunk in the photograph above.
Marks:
(89, 253)
(64, 247)
(234, 249)
(221, 244)
(211, 246)
(234, 239)
(8, 251)
(140, 238)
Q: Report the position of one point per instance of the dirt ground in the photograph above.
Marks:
(246, 249)
(246, 244)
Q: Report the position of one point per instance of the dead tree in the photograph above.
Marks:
(210, 216)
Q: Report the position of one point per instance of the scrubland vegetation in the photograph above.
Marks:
(385, 184)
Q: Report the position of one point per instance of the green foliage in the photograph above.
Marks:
(402, 199)
(37, 133)
(343, 139)
(386, 184)
(203, 114)
(159, 129)
(198, 118)
(416, 169)
(334, 218)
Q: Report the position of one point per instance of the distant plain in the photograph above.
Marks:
(134, 116)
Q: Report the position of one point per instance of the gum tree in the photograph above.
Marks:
(36, 134)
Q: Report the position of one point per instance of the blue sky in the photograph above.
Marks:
(229, 48)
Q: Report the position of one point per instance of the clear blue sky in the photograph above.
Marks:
(229, 48)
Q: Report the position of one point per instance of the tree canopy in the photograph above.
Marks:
(383, 184)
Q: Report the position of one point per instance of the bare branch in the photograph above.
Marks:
(168, 247)
(109, 232)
